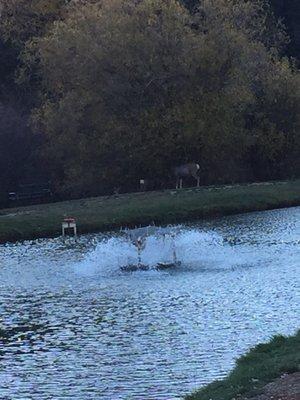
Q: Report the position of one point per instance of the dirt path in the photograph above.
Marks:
(285, 388)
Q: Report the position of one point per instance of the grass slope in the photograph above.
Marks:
(169, 206)
(253, 371)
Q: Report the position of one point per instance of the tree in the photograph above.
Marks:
(140, 61)
(131, 88)
(23, 19)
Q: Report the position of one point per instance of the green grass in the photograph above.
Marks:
(253, 371)
(169, 206)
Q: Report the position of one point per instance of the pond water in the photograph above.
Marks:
(73, 326)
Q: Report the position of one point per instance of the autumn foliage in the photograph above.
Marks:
(118, 90)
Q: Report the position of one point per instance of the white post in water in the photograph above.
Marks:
(69, 224)
(139, 244)
(174, 249)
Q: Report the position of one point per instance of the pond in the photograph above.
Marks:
(73, 326)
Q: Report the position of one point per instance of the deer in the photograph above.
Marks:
(186, 170)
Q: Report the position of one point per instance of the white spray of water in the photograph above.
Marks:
(194, 248)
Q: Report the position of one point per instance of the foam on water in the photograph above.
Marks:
(194, 248)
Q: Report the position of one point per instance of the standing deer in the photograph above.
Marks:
(186, 170)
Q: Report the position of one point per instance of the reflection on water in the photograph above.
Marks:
(73, 326)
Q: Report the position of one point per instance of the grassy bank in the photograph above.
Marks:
(253, 371)
(169, 206)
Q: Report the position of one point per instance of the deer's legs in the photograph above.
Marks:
(179, 183)
(197, 179)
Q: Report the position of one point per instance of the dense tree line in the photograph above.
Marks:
(96, 94)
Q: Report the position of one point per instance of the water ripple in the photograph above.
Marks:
(73, 326)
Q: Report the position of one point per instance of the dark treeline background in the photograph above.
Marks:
(96, 94)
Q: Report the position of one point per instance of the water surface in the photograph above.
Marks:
(72, 326)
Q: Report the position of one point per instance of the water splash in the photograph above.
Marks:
(192, 247)
(205, 250)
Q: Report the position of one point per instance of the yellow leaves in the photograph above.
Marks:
(151, 20)
(21, 20)
(137, 79)
(46, 7)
